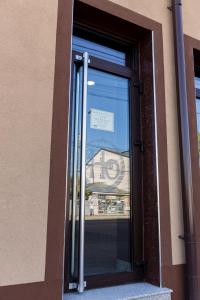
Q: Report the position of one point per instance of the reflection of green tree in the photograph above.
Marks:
(78, 184)
(87, 194)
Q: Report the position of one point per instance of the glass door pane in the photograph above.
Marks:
(107, 199)
(106, 176)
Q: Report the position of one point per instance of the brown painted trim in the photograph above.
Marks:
(31, 291)
(51, 289)
(123, 13)
(192, 44)
(165, 221)
(58, 158)
(58, 163)
(177, 277)
(179, 282)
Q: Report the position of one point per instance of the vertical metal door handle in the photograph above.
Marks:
(83, 174)
(75, 163)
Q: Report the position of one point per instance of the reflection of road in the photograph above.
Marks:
(107, 248)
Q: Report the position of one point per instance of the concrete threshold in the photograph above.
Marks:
(140, 291)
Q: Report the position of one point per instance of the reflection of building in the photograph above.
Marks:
(108, 183)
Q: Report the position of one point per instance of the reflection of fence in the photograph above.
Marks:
(107, 204)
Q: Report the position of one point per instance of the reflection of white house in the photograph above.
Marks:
(109, 167)
(108, 182)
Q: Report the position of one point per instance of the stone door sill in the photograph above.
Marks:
(138, 291)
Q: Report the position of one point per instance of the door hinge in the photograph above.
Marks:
(74, 285)
(140, 144)
(140, 86)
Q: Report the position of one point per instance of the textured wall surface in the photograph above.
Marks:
(191, 20)
(27, 55)
(160, 13)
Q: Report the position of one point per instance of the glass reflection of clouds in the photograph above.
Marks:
(110, 93)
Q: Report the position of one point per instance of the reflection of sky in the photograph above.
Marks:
(197, 85)
(198, 114)
(110, 93)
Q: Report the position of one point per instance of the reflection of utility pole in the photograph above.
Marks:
(92, 172)
(78, 149)
(91, 168)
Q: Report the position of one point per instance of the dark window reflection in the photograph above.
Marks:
(197, 85)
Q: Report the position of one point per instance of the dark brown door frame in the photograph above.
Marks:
(130, 72)
(52, 286)
(165, 227)
(163, 185)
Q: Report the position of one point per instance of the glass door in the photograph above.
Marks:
(100, 176)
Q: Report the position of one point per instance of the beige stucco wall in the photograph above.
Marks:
(27, 52)
(157, 10)
(191, 20)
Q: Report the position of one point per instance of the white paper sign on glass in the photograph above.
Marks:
(101, 120)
